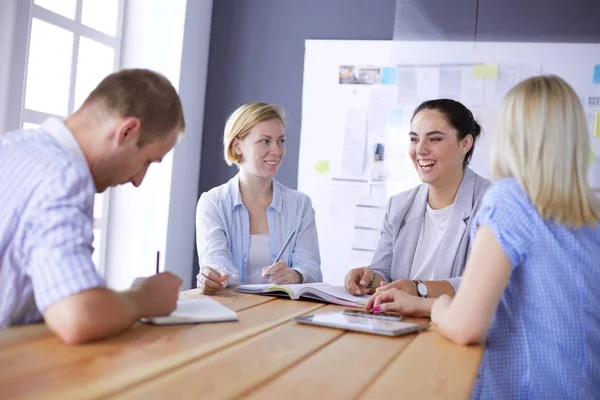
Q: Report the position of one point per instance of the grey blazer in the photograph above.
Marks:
(402, 227)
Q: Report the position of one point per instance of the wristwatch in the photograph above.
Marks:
(422, 290)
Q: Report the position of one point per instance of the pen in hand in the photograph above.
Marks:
(157, 262)
(285, 245)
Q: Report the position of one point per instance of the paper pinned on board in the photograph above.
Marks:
(355, 138)
(382, 99)
(407, 86)
(359, 75)
(417, 84)
(322, 167)
(450, 83)
(597, 125)
(457, 82)
(365, 239)
(511, 74)
(344, 195)
(485, 71)
(368, 217)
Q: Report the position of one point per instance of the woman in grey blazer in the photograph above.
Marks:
(425, 238)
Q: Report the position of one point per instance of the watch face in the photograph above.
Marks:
(422, 289)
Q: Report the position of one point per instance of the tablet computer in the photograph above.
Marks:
(368, 323)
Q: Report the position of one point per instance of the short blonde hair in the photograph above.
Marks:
(144, 94)
(542, 140)
(241, 121)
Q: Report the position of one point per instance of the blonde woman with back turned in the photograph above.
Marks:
(242, 225)
(532, 281)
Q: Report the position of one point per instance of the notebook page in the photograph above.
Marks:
(341, 293)
(266, 287)
(202, 309)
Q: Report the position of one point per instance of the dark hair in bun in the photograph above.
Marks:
(458, 116)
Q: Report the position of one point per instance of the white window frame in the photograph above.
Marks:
(78, 29)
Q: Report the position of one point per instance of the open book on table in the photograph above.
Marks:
(195, 311)
(314, 291)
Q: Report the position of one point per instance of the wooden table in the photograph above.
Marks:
(263, 356)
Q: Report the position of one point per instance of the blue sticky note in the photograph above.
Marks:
(596, 79)
(389, 76)
(396, 115)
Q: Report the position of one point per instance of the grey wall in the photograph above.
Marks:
(8, 11)
(499, 20)
(14, 35)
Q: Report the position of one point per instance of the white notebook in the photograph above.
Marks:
(315, 291)
(195, 311)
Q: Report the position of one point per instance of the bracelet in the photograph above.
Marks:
(370, 285)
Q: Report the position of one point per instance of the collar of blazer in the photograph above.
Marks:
(463, 203)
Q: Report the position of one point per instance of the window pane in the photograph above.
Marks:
(98, 205)
(29, 125)
(49, 69)
(95, 61)
(96, 244)
(66, 8)
(101, 15)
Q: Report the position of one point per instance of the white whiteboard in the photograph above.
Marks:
(348, 204)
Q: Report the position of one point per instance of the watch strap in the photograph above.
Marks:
(418, 282)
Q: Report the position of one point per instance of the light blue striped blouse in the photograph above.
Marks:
(46, 222)
(223, 231)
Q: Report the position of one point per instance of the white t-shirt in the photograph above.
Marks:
(259, 256)
(428, 247)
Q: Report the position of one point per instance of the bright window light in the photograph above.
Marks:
(49, 69)
(96, 244)
(101, 15)
(29, 125)
(98, 205)
(94, 63)
(66, 8)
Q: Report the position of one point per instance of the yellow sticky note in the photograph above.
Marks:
(592, 156)
(486, 71)
(322, 167)
(597, 125)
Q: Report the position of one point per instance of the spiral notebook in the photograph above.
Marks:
(195, 311)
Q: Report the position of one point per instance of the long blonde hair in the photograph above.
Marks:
(542, 140)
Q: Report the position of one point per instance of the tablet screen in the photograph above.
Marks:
(369, 323)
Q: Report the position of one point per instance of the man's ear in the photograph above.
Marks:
(128, 130)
